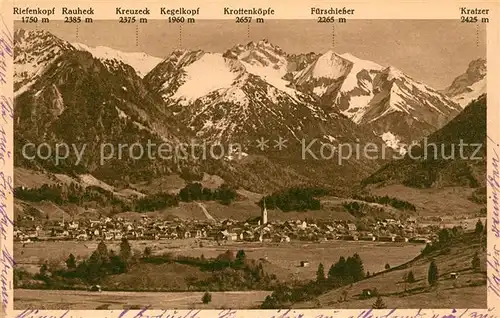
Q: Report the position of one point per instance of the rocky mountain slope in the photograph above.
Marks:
(438, 160)
(74, 98)
(470, 85)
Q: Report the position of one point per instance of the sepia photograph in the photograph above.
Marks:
(216, 165)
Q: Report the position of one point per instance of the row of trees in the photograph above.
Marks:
(447, 236)
(355, 208)
(156, 201)
(195, 191)
(75, 193)
(72, 193)
(344, 271)
(102, 262)
(229, 271)
(294, 199)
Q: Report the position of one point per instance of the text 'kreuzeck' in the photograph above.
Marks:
(132, 11)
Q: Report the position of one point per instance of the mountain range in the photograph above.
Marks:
(69, 92)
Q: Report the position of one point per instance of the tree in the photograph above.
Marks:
(405, 279)
(71, 262)
(367, 273)
(224, 194)
(43, 270)
(94, 269)
(240, 256)
(207, 297)
(432, 274)
(147, 251)
(125, 249)
(337, 270)
(358, 270)
(444, 236)
(379, 304)
(269, 303)
(226, 257)
(479, 227)
(387, 266)
(116, 264)
(476, 263)
(344, 295)
(320, 273)
(411, 277)
(102, 252)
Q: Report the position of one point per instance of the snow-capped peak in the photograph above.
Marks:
(329, 65)
(140, 61)
(367, 92)
(261, 53)
(265, 60)
(35, 50)
(470, 85)
(361, 64)
(393, 73)
(210, 72)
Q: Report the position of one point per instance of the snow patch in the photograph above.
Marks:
(141, 62)
(319, 90)
(121, 113)
(206, 75)
(393, 73)
(272, 76)
(474, 91)
(329, 65)
(392, 141)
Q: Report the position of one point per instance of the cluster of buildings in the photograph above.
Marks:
(259, 229)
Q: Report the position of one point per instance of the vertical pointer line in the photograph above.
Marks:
(477, 34)
(136, 35)
(333, 35)
(180, 35)
(248, 31)
(77, 32)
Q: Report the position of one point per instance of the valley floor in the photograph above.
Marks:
(281, 259)
(85, 300)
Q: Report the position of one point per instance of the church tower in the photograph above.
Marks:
(264, 214)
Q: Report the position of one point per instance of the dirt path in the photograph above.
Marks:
(205, 211)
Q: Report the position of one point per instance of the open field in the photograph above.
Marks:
(84, 300)
(467, 291)
(434, 202)
(281, 259)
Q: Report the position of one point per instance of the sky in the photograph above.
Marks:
(431, 51)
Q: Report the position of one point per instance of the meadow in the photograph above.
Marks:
(85, 300)
(281, 259)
